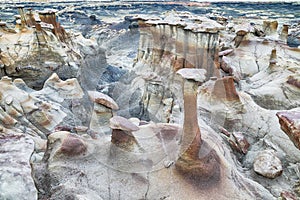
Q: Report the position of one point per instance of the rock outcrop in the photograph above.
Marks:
(290, 124)
(178, 41)
(38, 47)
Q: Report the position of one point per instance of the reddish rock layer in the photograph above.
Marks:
(294, 80)
(290, 124)
(224, 88)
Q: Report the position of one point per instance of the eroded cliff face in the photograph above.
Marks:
(38, 46)
(178, 41)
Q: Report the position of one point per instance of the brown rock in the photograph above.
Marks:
(167, 131)
(240, 32)
(290, 124)
(273, 58)
(284, 32)
(270, 27)
(122, 133)
(294, 80)
(241, 141)
(49, 17)
(224, 89)
(73, 146)
(224, 131)
(66, 144)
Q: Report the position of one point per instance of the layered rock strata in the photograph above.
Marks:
(179, 41)
(37, 47)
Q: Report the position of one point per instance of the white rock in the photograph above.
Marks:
(267, 164)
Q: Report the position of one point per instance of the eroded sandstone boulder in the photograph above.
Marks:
(267, 164)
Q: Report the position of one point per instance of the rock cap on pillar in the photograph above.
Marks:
(197, 75)
(121, 123)
(103, 99)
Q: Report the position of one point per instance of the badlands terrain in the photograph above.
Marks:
(149, 100)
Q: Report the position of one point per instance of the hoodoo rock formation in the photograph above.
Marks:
(205, 168)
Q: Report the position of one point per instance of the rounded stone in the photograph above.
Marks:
(73, 146)
(268, 164)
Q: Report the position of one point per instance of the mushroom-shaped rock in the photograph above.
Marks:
(191, 131)
(103, 99)
(122, 130)
(102, 111)
(206, 168)
(240, 32)
(290, 124)
(2, 24)
(267, 164)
